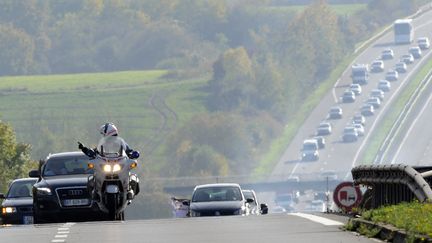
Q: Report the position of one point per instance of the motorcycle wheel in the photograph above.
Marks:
(112, 206)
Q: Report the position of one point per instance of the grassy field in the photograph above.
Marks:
(57, 110)
(340, 9)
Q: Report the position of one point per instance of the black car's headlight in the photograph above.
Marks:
(8, 210)
(43, 191)
(194, 213)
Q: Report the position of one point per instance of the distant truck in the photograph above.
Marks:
(360, 74)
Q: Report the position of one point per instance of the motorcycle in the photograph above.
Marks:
(112, 184)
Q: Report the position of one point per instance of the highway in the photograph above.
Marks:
(267, 228)
(414, 146)
(338, 156)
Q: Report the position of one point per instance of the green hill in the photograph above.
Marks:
(54, 112)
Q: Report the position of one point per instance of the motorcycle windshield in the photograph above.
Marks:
(111, 147)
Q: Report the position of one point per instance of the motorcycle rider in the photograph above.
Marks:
(108, 131)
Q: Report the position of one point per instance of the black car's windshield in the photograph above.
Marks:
(211, 194)
(21, 189)
(66, 166)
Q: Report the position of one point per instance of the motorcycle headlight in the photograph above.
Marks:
(194, 213)
(116, 168)
(7, 210)
(111, 168)
(107, 168)
(43, 191)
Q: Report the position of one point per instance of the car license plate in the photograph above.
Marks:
(28, 220)
(75, 202)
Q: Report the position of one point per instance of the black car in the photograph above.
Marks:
(61, 192)
(17, 207)
(218, 200)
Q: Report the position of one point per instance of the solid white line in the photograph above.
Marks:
(410, 129)
(334, 89)
(318, 219)
(60, 236)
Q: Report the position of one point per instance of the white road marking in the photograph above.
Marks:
(318, 219)
(410, 129)
(335, 86)
(62, 232)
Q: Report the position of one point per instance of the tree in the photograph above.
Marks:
(233, 80)
(17, 51)
(15, 159)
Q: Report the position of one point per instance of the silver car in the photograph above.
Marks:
(387, 54)
(360, 129)
(377, 93)
(367, 110)
(324, 128)
(350, 134)
(384, 85)
(401, 67)
(415, 51)
(392, 75)
(356, 88)
(423, 43)
(407, 59)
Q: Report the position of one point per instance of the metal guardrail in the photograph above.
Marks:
(393, 184)
(395, 129)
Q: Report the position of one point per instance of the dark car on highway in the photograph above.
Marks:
(218, 200)
(17, 205)
(350, 134)
(348, 96)
(335, 113)
(61, 193)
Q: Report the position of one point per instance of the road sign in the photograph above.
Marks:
(346, 196)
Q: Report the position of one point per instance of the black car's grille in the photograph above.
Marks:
(217, 212)
(27, 209)
(73, 193)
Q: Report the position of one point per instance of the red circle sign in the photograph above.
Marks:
(347, 196)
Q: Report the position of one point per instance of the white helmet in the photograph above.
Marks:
(108, 129)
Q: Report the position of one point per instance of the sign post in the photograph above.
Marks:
(347, 196)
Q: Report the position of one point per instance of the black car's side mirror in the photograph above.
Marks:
(250, 200)
(264, 208)
(34, 174)
(2, 196)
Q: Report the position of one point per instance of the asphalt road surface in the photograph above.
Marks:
(338, 156)
(415, 144)
(268, 228)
